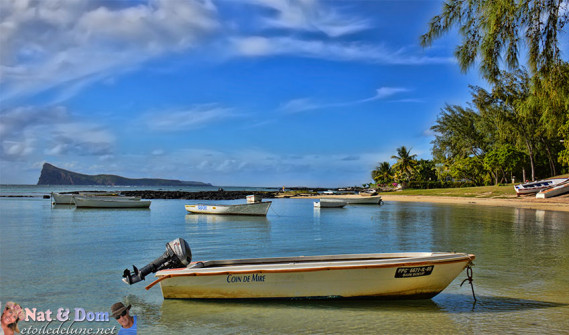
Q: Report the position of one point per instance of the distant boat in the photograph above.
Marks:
(62, 198)
(554, 191)
(256, 208)
(368, 192)
(536, 186)
(411, 275)
(110, 202)
(363, 200)
(330, 203)
(254, 198)
(67, 198)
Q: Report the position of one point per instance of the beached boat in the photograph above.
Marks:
(110, 202)
(554, 191)
(537, 186)
(390, 275)
(256, 208)
(330, 203)
(363, 200)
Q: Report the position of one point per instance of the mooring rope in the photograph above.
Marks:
(469, 279)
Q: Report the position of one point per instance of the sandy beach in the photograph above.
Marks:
(560, 203)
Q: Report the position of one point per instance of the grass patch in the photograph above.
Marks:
(506, 191)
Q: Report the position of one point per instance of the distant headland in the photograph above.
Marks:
(52, 175)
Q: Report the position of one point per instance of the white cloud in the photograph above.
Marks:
(28, 131)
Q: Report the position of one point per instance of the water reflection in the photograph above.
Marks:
(304, 316)
(212, 218)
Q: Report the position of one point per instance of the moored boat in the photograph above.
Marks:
(554, 191)
(110, 202)
(330, 203)
(536, 186)
(389, 275)
(256, 208)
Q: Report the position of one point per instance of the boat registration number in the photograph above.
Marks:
(202, 207)
(416, 271)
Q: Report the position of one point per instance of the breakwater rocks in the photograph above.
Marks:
(202, 195)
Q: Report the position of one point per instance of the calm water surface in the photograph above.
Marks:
(59, 256)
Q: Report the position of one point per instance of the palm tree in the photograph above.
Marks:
(406, 162)
(382, 173)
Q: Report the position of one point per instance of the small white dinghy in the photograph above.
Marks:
(391, 275)
(253, 208)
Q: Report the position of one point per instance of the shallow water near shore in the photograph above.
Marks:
(61, 257)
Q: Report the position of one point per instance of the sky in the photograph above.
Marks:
(233, 93)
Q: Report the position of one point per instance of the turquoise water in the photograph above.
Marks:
(60, 257)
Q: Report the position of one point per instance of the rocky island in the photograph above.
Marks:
(52, 175)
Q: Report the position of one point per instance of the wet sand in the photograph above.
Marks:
(560, 203)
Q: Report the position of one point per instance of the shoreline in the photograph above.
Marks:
(559, 203)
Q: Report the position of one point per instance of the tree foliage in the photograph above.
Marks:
(382, 173)
(406, 163)
(495, 31)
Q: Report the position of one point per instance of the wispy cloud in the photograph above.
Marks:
(307, 104)
(385, 92)
(299, 105)
(310, 15)
(259, 46)
(193, 117)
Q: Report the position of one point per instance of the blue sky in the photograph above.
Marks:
(233, 93)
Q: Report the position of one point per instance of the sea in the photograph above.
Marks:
(64, 265)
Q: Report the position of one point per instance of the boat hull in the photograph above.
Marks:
(554, 191)
(110, 202)
(330, 203)
(257, 208)
(62, 199)
(401, 278)
(363, 200)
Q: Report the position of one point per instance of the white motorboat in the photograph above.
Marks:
(256, 208)
(390, 275)
(330, 203)
(110, 202)
(554, 191)
(536, 186)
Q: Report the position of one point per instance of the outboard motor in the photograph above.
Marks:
(178, 254)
